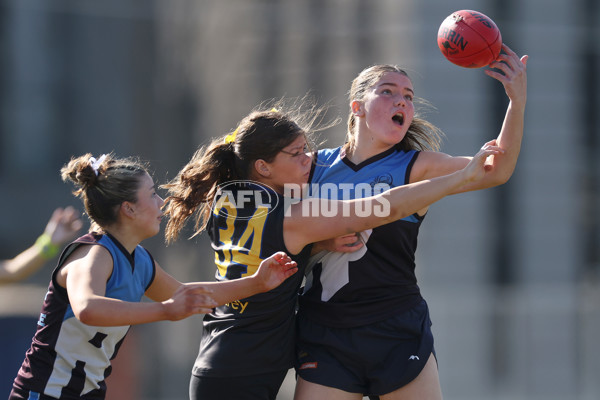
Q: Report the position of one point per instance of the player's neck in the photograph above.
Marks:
(363, 151)
(125, 237)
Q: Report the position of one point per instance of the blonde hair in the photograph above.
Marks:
(421, 135)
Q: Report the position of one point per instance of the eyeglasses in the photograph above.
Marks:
(305, 150)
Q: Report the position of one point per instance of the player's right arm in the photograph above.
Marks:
(302, 227)
(85, 274)
(513, 77)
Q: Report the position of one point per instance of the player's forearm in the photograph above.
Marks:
(104, 311)
(408, 199)
(228, 291)
(367, 213)
(400, 202)
(509, 139)
(23, 265)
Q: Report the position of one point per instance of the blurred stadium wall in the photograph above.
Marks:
(511, 273)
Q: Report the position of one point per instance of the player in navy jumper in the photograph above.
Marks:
(95, 291)
(236, 190)
(371, 297)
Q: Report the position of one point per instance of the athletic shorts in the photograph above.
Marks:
(17, 394)
(373, 359)
(252, 387)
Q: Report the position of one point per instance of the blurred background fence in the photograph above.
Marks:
(511, 273)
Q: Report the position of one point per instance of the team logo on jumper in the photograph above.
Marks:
(385, 179)
(233, 196)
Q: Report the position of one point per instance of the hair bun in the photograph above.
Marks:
(80, 171)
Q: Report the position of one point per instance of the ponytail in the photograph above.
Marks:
(194, 188)
(260, 135)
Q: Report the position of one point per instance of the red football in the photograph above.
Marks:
(469, 39)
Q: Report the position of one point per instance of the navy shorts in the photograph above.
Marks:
(373, 359)
(18, 393)
(252, 387)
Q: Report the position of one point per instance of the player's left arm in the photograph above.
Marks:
(513, 77)
(271, 272)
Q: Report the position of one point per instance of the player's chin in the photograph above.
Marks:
(153, 231)
(301, 180)
(397, 135)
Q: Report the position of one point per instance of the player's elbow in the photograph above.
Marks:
(84, 312)
(501, 178)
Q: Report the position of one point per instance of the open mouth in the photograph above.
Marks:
(398, 119)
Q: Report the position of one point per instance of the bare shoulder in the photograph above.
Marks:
(86, 257)
(89, 251)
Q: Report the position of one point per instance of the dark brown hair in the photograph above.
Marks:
(262, 134)
(104, 184)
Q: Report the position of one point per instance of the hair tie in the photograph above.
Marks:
(231, 137)
(96, 163)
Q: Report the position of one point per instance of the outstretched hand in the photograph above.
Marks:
(513, 75)
(63, 225)
(275, 269)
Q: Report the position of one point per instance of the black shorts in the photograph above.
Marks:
(252, 387)
(374, 359)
